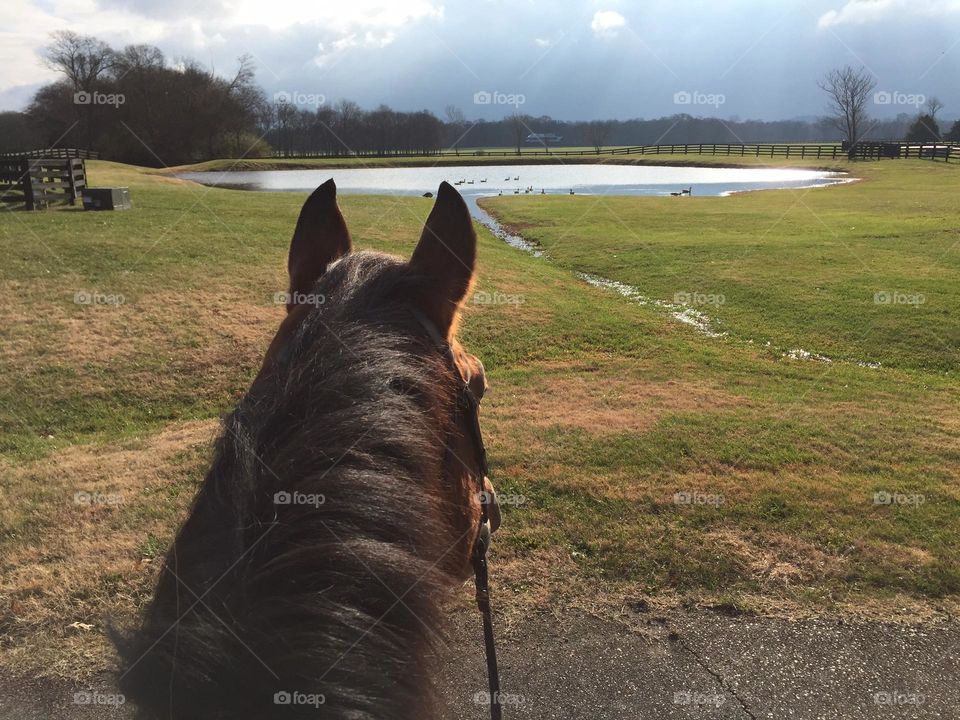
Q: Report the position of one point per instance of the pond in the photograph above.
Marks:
(487, 180)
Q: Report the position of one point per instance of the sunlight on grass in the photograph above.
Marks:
(651, 460)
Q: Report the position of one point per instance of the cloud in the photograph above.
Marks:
(414, 54)
(607, 23)
(363, 14)
(863, 12)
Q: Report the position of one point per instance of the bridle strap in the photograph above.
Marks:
(468, 403)
(483, 603)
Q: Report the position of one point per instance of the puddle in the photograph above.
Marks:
(489, 222)
(696, 319)
(702, 323)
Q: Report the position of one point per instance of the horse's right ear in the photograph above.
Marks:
(320, 238)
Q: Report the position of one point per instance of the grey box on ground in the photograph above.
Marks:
(106, 199)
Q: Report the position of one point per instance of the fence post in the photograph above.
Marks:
(72, 183)
(27, 181)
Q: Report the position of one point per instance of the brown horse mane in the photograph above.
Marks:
(336, 596)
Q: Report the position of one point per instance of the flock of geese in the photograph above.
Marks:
(526, 191)
(529, 189)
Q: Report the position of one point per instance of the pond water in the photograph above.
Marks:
(480, 180)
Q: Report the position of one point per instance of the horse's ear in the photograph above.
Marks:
(320, 238)
(445, 257)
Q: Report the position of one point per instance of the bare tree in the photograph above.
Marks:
(457, 122)
(519, 128)
(934, 106)
(86, 62)
(137, 58)
(599, 131)
(848, 90)
(82, 58)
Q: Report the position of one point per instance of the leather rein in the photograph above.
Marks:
(468, 405)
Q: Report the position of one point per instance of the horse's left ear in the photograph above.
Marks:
(445, 257)
(320, 238)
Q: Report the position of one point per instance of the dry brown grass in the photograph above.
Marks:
(75, 565)
(64, 333)
(777, 559)
(61, 332)
(606, 403)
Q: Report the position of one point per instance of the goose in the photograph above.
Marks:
(469, 182)
(517, 177)
(484, 180)
(676, 194)
(517, 191)
(507, 179)
(571, 191)
(543, 191)
(688, 191)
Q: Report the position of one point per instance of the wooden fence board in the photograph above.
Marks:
(39, 182)
(864, 151)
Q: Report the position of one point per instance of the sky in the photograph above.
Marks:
(572, 60)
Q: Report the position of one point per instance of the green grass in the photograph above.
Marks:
(601, 409)
(798, 269)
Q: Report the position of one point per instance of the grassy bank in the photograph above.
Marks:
(646, 461)
(865, 271)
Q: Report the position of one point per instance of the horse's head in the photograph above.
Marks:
(420, 299)
(359, 411)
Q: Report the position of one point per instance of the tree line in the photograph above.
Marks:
(134, 106)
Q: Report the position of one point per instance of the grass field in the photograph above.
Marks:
(645, 460)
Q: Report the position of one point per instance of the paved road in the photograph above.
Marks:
(689, 665)
(702, 665)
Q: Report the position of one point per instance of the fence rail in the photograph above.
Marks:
(863, 151)
(36, 183)
(57, 153)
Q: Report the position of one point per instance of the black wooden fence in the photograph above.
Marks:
(59, 153)
(863, 151)
(37, 182)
